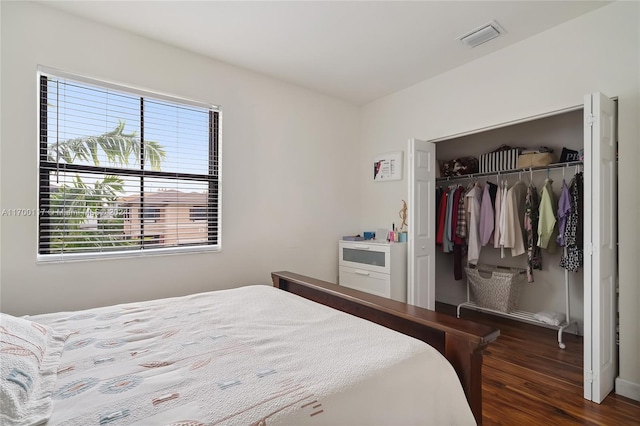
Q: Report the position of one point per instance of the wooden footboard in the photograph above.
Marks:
(460, 341)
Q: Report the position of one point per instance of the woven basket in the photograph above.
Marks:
(496, 287)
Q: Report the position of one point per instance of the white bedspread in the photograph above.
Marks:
(252, 355)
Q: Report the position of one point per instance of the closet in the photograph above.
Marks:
(592, 290)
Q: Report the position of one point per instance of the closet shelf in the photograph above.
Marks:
(510, 172)
(522, 316)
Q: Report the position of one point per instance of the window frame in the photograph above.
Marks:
(214, 193)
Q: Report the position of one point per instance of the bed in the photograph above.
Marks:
(254, 355)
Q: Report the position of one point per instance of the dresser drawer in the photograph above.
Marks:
(370, 257)
(367, 281)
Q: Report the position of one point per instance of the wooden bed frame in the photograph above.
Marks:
(460, 341)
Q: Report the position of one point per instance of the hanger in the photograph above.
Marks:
(548, 177)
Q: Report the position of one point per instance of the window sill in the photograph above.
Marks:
(77, 257)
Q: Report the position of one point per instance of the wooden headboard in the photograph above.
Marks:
(460, 341)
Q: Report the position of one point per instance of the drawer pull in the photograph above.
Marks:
(359, 272)
(360, 247)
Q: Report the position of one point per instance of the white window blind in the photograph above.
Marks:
(125, 172)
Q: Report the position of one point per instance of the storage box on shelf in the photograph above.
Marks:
(499, 161)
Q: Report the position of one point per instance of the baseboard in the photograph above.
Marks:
(629, 389)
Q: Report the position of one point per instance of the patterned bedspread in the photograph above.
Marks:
(253, 355)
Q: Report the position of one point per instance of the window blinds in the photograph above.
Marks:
(124, 171)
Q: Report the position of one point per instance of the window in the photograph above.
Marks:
(123, 171)
(198, 213)
(151, 213)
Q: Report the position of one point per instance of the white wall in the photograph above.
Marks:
(599, 51)
(283, 207)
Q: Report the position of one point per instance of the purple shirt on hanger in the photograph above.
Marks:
(564, 208)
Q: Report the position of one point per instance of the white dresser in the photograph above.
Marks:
(378, 268)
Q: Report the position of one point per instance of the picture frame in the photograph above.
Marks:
(387, 167)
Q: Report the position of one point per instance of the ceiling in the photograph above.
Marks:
(357, 51)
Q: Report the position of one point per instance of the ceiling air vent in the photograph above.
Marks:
(482, 34)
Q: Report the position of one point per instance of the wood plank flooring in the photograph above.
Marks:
(529, 380)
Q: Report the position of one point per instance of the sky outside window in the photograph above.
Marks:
(84, 111)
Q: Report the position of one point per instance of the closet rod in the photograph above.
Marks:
(510, 172)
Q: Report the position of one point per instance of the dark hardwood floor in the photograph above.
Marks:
(528, 380)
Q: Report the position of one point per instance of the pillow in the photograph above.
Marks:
(29, 358)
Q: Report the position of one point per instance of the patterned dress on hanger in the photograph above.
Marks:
(574, 257)
(531, 216)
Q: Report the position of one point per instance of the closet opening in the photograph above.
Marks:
(551, 285)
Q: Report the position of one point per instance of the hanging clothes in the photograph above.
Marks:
(531, 215)
(573, 257)
(503, 216)
(493, 189)
(447, 242)
(442, 214)
(564, 210)
(487, 219)
(461, 228)
(547, 229)
(437, 210)
(458, 215)
(474, 198)
(466, 205)
(496, 225)
(514, 218)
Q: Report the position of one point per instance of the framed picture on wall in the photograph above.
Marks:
(387, 167)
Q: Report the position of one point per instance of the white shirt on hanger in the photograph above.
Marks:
(514, 218)
(503, 217)
(498, 210)
(474, 197)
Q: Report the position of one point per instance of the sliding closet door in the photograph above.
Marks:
(600, 246)
(421, 289)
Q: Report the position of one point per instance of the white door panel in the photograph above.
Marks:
(600, 246)
(421, 238)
